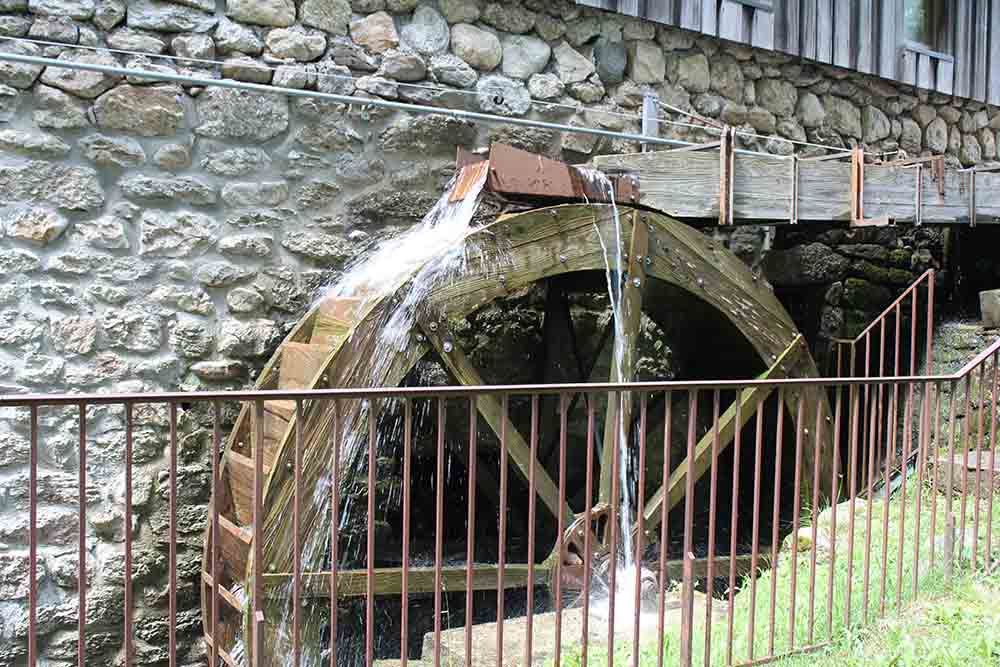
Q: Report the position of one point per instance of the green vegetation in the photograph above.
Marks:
(887, 636)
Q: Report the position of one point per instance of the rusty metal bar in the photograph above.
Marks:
(297, 537)
(817, 438)
(502, 528)
(733, 523)
(614, 507)
(870, 499)
(993, 457)
(755, 549)
(712, 507)
(530, 606)
(800, 417)
(890, 453)
(404, 603)
(979, 464)
(834, 504)
(216, 528)
(258, 536)
(934, 454)
(370, 540)
(965, 456)
(127, 657)
(687, 609)
(33, 537)
(561, 528)
(640, 528)
(776, 518)
(852, 460)
(587, 555)
(81, 647)
(923, 440)
(439, 530)
(470, 539)
(664, 525)
(907, 435)
(334, 526)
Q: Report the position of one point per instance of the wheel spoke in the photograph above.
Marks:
(750, 399)
(389, 580)
(623, 364)
(490, 408)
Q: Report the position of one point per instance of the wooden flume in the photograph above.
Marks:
(334, 345)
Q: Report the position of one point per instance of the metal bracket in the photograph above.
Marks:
(857, 185)
(918, 214)
(727, 161)
(972, 197)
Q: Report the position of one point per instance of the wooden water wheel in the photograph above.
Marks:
(334, 346)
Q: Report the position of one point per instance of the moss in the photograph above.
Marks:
(864, 295)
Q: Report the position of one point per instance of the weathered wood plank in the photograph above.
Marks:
(807, 29)
(908, 60)
(388, 580)
(731, 21)
(963, 46)
(980, 49)
(843, 33)
(762, 32)
(946, 77)
(866, 55)
(993, 87)
(824, 31)
(691, 11)
(925, 70)
(889, 22)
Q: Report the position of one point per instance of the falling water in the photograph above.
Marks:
(616, 273)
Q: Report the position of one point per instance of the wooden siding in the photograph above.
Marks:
(863, 35)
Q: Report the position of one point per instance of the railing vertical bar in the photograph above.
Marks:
(929, 353)
(127, 579)
(470, 535)
(404, 602)
(664, 529)
(874, 426)
(173, 536)
(258, 536)
(216, 493)
(933, 452)
(613, 509)
(867, 438)
(966, 418)
(334, 526)
(33, 537)
(979, 463)
(923, 438)
(639, 530)
(905, 461)
(800, 417)
(733, 527)
(439, 529)
(834, 505)
(370, 537)
(755, 538)
(776, 519)
(530, 603)
(712, 510)
(950, 496)
(296, 536)
(886, 476)
(687, 610)
(877, 445)
(817, 437)
(81, 645)
(502, 528)
(587, 546)
(992, 468)
(852, 462)
(563, 427)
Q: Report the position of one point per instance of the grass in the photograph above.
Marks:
(792, 622)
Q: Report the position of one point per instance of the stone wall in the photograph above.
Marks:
(159, 236)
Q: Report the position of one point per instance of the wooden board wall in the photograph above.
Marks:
(863, 35)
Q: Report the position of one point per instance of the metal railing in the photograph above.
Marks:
(852, 357)
(800, 430)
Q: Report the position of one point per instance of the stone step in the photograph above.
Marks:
(515, 634)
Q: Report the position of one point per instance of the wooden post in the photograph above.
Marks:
(650, 122)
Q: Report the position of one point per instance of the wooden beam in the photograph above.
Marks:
(672, 491)
(388, 580)
(490, 408)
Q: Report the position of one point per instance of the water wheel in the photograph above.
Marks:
(337, 345)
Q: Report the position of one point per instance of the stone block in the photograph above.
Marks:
(989, 304)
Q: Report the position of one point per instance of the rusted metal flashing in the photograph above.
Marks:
(727, 160)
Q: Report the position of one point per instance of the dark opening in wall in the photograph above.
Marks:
(973, 263)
